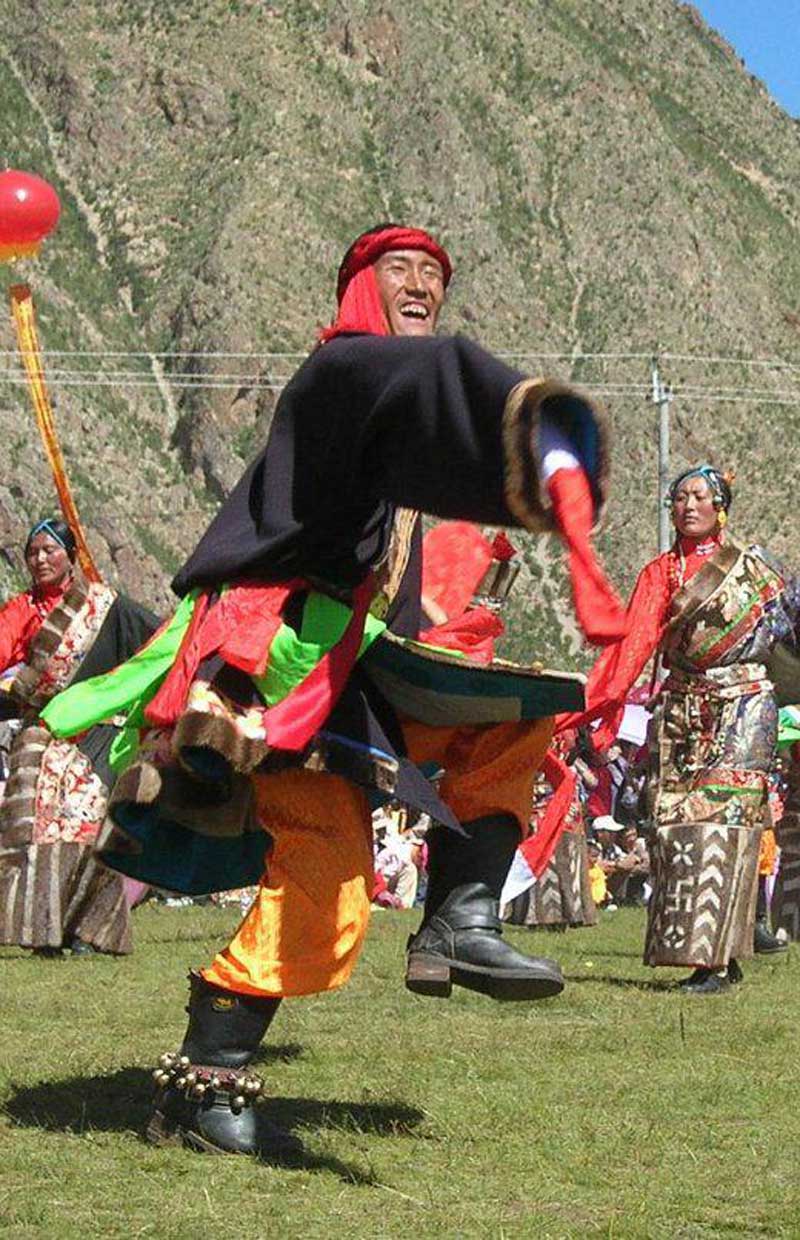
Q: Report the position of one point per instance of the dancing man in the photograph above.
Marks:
(281, 690)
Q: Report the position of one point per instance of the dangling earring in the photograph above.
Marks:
(722, 518)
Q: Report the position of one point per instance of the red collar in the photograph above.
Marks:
(701, 547)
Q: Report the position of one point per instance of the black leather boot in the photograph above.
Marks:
(78, 947)
(693, 979)
(207, 1099)
(708, 982)
(460, 940)
(764, 941)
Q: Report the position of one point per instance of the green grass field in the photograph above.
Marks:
(619, 1109)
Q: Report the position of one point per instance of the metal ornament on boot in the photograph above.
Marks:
(207, 1098)
(462, 944)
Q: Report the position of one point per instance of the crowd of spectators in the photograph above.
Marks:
(401, 856)
(612, 792)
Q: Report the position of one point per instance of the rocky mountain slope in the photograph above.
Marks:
(608, 177)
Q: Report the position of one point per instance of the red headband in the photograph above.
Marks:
(369, 247)
(360, 308)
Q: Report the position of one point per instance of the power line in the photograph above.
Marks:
(121, 353)
(187, 381)
(59, 375)
(775, 363)
(144, 382)
(64, 370)
(55, 375)
(508, 355)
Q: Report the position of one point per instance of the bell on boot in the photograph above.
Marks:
(462, 945)
(207, 1098)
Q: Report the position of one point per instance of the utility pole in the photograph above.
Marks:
(662, 397)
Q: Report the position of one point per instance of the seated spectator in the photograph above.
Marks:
(399, 853)
(597, 875)
(629, 876)
(607, 833)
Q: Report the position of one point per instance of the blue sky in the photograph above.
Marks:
(766, 34)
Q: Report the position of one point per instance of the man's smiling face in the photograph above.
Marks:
(411, 288)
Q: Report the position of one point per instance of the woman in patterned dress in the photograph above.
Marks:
(714, 610)
(53, 892)
(561, 896)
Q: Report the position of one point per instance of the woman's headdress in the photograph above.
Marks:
(56, 529)
(720, 484)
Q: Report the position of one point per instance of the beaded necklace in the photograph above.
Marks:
(44, 603)
(677, 559)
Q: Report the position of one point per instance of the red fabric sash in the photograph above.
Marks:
(164, 709)
(455, 556)
(539, 848)
(360, 310)
(240, 625)
(599, 611)
(473, 633)
(294, 721)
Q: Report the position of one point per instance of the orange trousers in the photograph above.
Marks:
(304, 931)
(767, 853)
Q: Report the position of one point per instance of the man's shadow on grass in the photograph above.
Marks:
(120, 1102)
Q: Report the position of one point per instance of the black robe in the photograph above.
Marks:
(369, 423)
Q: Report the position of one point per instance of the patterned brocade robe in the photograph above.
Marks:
(712, 741)
(562, 894)
(785, 905)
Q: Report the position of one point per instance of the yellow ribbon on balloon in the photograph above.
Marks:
(31, 354)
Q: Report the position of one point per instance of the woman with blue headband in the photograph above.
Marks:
(53, 892)
(713, 610)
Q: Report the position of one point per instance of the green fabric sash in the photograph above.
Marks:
(292, 657)
(101, 697)
(788, 726)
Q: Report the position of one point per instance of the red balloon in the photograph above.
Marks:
(29, 208)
